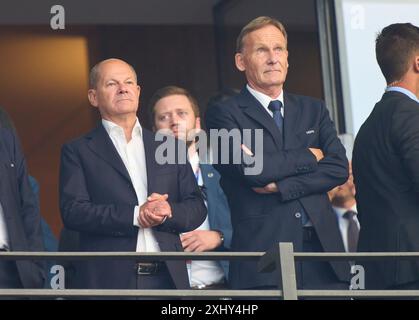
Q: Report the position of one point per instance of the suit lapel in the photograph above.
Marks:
(208, 175)
(101, 144)
(252, 107)
(291, 115)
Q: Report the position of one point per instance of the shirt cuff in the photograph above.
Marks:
(136, 214)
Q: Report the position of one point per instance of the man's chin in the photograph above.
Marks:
(125, 108)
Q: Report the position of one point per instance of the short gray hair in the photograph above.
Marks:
(256, 24)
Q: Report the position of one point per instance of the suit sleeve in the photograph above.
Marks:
(275, 165)
(189, 211)
(29, 210)
(28, 202)
(79, 212)
(331, 171)
(405, 136)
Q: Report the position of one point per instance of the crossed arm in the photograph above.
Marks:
(292, 173)
(272, 187)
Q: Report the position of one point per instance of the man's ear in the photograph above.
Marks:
(198, 123)
(239, 61)
(91, 95)
(416, 64)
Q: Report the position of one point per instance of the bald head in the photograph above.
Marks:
(114, 91)
(95, 71)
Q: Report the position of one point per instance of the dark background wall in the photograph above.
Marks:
(185, 56)
(44, 79)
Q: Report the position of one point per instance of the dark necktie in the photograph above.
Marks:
(202, 189)
(275, 106)
(353, 231)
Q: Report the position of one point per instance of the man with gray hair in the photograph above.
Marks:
(302, 160)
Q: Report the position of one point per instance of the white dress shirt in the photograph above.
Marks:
(4, 236)
(133, 156)
(203, 273)
(344, 223)
(265, 100)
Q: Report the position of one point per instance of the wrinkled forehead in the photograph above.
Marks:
(116, 70)
(266, 34)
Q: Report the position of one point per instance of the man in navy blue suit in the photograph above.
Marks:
(299, 156)
(386, 164)
(49, 240)
(175, 111)
(20, 224)
(114, 192)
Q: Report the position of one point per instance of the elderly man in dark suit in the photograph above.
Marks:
(20, 224)
(302, 158)
(386, 163)
(116, 194)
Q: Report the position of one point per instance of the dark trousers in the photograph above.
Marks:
(316, 275)
(405, 286)
(158, 280)
(9, 276)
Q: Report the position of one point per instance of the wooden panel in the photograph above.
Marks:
(43, 87)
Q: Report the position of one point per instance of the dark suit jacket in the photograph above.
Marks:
(218, 211)
(262, 220)
(386, 172)
(97, 199)
(49, 240)
(20, 209)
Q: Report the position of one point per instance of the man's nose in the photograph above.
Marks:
(123, 88)
(272, 57)
(174, 119)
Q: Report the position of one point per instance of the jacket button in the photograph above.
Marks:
(298, 215)
(210, 175)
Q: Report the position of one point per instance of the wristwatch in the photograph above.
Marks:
(221, 236)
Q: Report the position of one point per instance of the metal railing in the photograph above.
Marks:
(281, 258)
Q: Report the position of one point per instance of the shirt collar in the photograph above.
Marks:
(341, 211)
(408, 93)
(112, 127)
(194, 161)
(263, 98)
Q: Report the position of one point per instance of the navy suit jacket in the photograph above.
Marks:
(262, 220)
(218, 211)
(20, 209)
(386, 172)
(97, 198)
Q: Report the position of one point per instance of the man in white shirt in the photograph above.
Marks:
(115, 193)
(175, 111)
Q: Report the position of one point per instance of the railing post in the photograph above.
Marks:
(286, 265)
